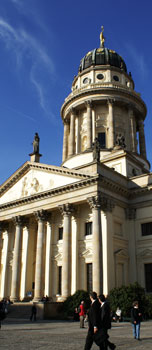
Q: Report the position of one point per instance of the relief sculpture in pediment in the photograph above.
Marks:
(30, 187)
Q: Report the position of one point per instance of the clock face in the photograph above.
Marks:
(100, 76)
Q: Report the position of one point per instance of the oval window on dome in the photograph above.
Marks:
(86, 81)
(100, 76)
(116, 78)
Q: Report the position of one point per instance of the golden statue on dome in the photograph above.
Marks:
(102, 38)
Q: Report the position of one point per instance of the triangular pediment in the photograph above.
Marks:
(145, 253)
(33, 178)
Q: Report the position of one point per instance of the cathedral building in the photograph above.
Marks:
(86, 224)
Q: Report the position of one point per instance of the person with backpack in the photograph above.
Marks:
(105, 320)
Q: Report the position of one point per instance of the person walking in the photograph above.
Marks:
(33, 312)
(95, 333)
(82, 314)
(105, 320)
(136, 320)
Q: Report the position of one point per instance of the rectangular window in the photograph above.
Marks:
(60, 280)
(146, 229)
(88, 228)
(60, 232)
(102, 139)
(148, 277)
(89, 277)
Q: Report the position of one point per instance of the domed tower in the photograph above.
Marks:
(104, 112)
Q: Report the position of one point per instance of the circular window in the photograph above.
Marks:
(86, 81)
(116, 78)
(100, 76)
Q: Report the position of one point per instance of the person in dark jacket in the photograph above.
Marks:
(33, 312)
(105, 320)
(94, 331)
(136, 320)
(3, 311)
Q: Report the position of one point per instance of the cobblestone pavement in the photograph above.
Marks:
(61, 335)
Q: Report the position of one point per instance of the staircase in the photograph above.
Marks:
(19, 310)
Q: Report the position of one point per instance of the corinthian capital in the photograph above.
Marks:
(66, 209)
(18, 220)
(95, 202)
(89, 103)
(73, 111)
(110, 101)
(101, 202)
(41, 215)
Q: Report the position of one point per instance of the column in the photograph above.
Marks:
(111, 124)
(108, 251)
(65, 140)
(95, 204)
(74, 272)
(77, 135)
(93, 125)
(41, 216)
(4, 257)
(130, 228)
(15, 286)
(142, 138)
(66, 210)
(48, 258)
(25, 242)
(1, 287)
(1, 230)
(72, 132)
(132, 132)
(89, 124)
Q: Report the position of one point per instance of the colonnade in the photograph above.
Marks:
(43, 266)
(72, 143)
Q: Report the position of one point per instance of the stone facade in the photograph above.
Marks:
(88, 223)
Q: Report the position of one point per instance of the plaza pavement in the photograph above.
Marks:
(62, 335)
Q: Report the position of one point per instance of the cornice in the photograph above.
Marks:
(114, 186)
(104, 88)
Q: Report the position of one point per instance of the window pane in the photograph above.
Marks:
(89, 277)
(59, 279)
(102, 139)
(88, 228)
(60, 232)
(146, 229)
(148, 277)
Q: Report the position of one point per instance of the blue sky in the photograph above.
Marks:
(41, 45)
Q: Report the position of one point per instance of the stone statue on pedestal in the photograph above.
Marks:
(96, 150)
(120, 141)
(36, 144)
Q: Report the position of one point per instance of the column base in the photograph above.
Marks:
(37, 299)
(15, 299)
